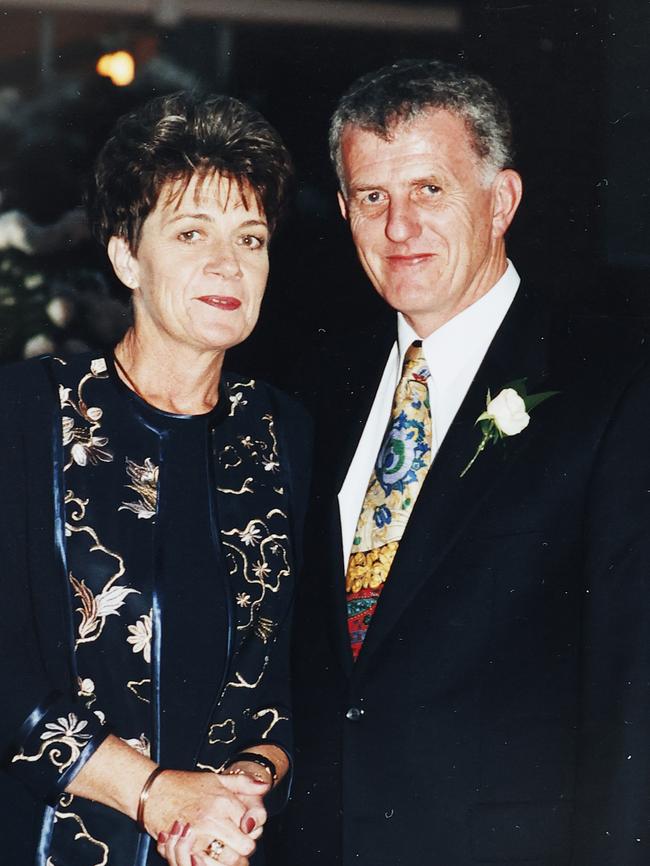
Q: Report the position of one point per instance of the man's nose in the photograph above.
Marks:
(223, 261)
(402, 223)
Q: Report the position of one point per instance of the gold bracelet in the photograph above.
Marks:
(144, 796)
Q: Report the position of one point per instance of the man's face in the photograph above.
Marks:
(427, 224)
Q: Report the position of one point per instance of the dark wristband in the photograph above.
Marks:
(254, 758)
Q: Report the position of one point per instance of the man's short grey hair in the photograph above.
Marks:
(398, 93)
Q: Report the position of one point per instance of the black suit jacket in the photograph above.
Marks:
(499, 711)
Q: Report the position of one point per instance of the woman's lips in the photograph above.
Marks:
(223, 302)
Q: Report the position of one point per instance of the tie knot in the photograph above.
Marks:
(415, 364)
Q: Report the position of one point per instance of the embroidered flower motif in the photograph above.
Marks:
(236, 400)
(95, 608)
(86, 447)
(98, 366)
(140, 636)
(86, 687)
(69, 728)
(243, 599)
(261, 570)
(251, 535)
(140, 744)
(144, 481)
(506, 414)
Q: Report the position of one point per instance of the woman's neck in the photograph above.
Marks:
(181, 379)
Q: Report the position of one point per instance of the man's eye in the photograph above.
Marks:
(430, 189)
(190, 236)
(373, 197)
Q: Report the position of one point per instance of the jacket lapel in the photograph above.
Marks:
(448, 502)
(346, 418)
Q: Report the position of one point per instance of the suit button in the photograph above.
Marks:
(354, 714)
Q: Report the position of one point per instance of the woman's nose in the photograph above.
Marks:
(223, 261)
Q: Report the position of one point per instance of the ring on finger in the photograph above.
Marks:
(215, 848)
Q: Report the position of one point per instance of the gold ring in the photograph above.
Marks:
(215, 848)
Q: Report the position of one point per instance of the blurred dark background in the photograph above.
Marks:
(577, 76)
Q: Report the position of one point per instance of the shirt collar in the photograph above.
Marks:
(463, 341)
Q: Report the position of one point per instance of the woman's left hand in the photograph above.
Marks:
(178, 845)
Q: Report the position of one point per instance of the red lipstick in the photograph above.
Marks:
(222, 302)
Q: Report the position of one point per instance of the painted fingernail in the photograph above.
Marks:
(250, 825)
(186, 830)
(162, 837)
(176, 829)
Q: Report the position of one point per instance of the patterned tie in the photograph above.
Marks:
(401, 467)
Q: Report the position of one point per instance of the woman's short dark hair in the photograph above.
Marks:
(172, 138)
(400, 92)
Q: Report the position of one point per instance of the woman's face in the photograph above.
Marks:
(200, 270)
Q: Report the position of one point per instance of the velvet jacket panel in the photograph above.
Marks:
(36, 657)
(499, 711)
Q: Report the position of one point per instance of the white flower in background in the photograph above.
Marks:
(33, 281)
(140, 636)
(508, 411)
(40, 344)
(60, 311)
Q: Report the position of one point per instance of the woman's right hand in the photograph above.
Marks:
(210, 804)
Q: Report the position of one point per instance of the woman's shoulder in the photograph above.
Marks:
(31, 384)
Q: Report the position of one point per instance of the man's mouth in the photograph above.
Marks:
(222, 302)
(411, 260)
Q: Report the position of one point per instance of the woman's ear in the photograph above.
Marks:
(124, 262)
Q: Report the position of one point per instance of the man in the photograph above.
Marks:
(473, 640)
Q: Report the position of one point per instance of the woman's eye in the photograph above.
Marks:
(190, 236)
(253, 242)
(430, 189)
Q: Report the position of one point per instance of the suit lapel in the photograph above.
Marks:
(447, 502)
(346, 417)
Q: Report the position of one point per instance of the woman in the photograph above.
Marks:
(150, 523)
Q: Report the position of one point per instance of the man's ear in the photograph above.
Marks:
(124, 262)
(507, 191)
(343, 205)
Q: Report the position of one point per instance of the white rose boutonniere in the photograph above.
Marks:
(507, 414)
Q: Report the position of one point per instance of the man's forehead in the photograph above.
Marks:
(430, 134)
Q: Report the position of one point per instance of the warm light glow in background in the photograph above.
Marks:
(119, 67)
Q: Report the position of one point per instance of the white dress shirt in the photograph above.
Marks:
(454, 353)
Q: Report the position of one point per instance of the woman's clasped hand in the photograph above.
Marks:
(225, 811)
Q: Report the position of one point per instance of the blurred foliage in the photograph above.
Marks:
(67, 299)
